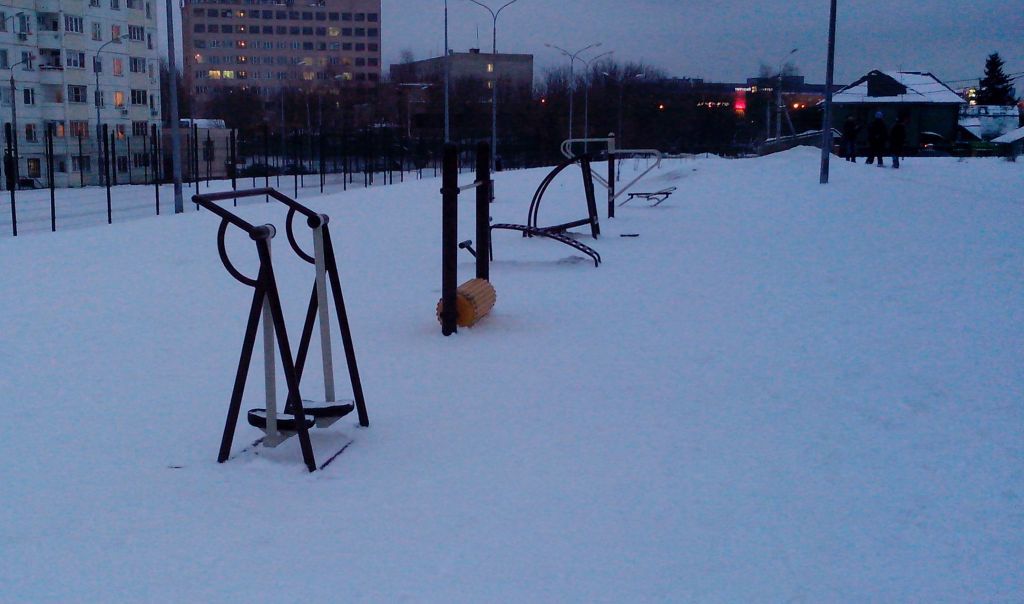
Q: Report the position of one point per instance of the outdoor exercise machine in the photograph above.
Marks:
(466, 304)
(656, 197)
(613, 153)
(558, 232)
(266, 306)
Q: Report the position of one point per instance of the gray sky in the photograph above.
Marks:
(727, 40)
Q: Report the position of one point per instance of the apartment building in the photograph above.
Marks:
(514, 70)
(72, 61)
(269, 45)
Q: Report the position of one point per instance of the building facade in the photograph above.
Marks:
(513, 69)
(270, 45)
(71, 61)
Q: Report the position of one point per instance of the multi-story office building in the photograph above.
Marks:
(269, 45)
(511, 69)
(71, 61)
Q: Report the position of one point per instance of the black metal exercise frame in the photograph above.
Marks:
(450, 190)
(588, 189)
(265, 287)
(557, 232)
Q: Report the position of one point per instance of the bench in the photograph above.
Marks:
(655, 196)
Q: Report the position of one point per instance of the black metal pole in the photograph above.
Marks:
(208, 156)
(322, 160)
(233, 154)
(128, 146)
(195, 157)
(611, 185)
(113, 155)
(145, 157)
(81, 162)
(296, 147)
(156, 160)
(106, 171)
(483, 218)
(266, 157)
(12, 176)
(49, 177)
(826, 127)
(449, 235)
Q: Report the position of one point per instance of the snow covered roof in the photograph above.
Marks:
(1011, 137)
(879, 87)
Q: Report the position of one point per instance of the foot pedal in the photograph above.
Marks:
(326, 413)
(287, 427)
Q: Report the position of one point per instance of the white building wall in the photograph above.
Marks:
(49, 93)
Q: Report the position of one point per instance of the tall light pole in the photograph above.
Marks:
(14, 114)
(779, 107)
(826, 127)
(622, 89)
(96, 94)
(586, 96)
(411, 87)
(14, 107)
(494, 75)
(572, 62)
(172, 68)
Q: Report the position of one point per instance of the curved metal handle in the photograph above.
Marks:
(289, 222)
(266, 231)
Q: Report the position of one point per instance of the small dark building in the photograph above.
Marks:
(930, 107)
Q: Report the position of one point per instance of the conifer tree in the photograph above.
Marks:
(995, 87)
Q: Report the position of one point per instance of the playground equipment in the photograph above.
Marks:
(612, 154)
(463, 306)
(266, 305)
(558, 231)
(654, 196)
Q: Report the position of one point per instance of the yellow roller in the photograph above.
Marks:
(473, 300)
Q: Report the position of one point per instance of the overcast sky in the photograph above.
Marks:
(727, 40)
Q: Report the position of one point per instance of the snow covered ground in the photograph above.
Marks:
(778, 392)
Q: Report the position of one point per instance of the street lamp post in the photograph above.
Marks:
(408, 112)
(494, 75)
(572, 62)
(14, 108)
(14, 114)
(96, 71)
(586, 96)
(622, 89)
(779, 107)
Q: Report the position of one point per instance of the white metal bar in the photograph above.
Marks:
(325, 323)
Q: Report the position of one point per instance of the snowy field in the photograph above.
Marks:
(778, 392)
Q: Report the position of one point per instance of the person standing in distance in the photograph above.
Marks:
(877, 135)
(897, 138)
(850, 130)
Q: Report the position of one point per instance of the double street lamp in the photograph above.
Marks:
(622, 89)
(572, 62)
(779, 107)
(494, 75)
(586, 95)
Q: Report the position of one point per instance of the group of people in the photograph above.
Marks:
(880, 136)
